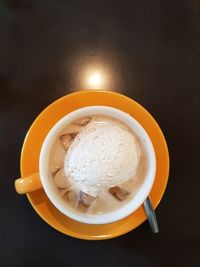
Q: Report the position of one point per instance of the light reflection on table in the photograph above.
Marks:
(96, 70)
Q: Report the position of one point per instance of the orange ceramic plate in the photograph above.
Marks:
(31, 151)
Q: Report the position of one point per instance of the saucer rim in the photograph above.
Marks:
(165, 149)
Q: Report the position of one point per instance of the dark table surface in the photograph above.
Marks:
(151, 51)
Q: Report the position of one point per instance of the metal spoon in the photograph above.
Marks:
(151, 216)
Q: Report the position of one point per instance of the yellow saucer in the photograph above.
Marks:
(31, 151)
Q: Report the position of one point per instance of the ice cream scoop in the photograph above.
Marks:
(104, 154)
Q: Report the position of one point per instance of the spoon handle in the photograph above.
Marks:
(151, 216)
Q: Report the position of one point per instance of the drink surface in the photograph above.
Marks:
(96, 164)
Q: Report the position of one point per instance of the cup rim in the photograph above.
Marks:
(131, 205)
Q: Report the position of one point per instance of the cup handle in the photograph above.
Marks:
(28, 184)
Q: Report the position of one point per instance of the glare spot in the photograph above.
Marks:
(95, 80)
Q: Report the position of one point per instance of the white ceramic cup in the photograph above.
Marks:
(126, 209)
